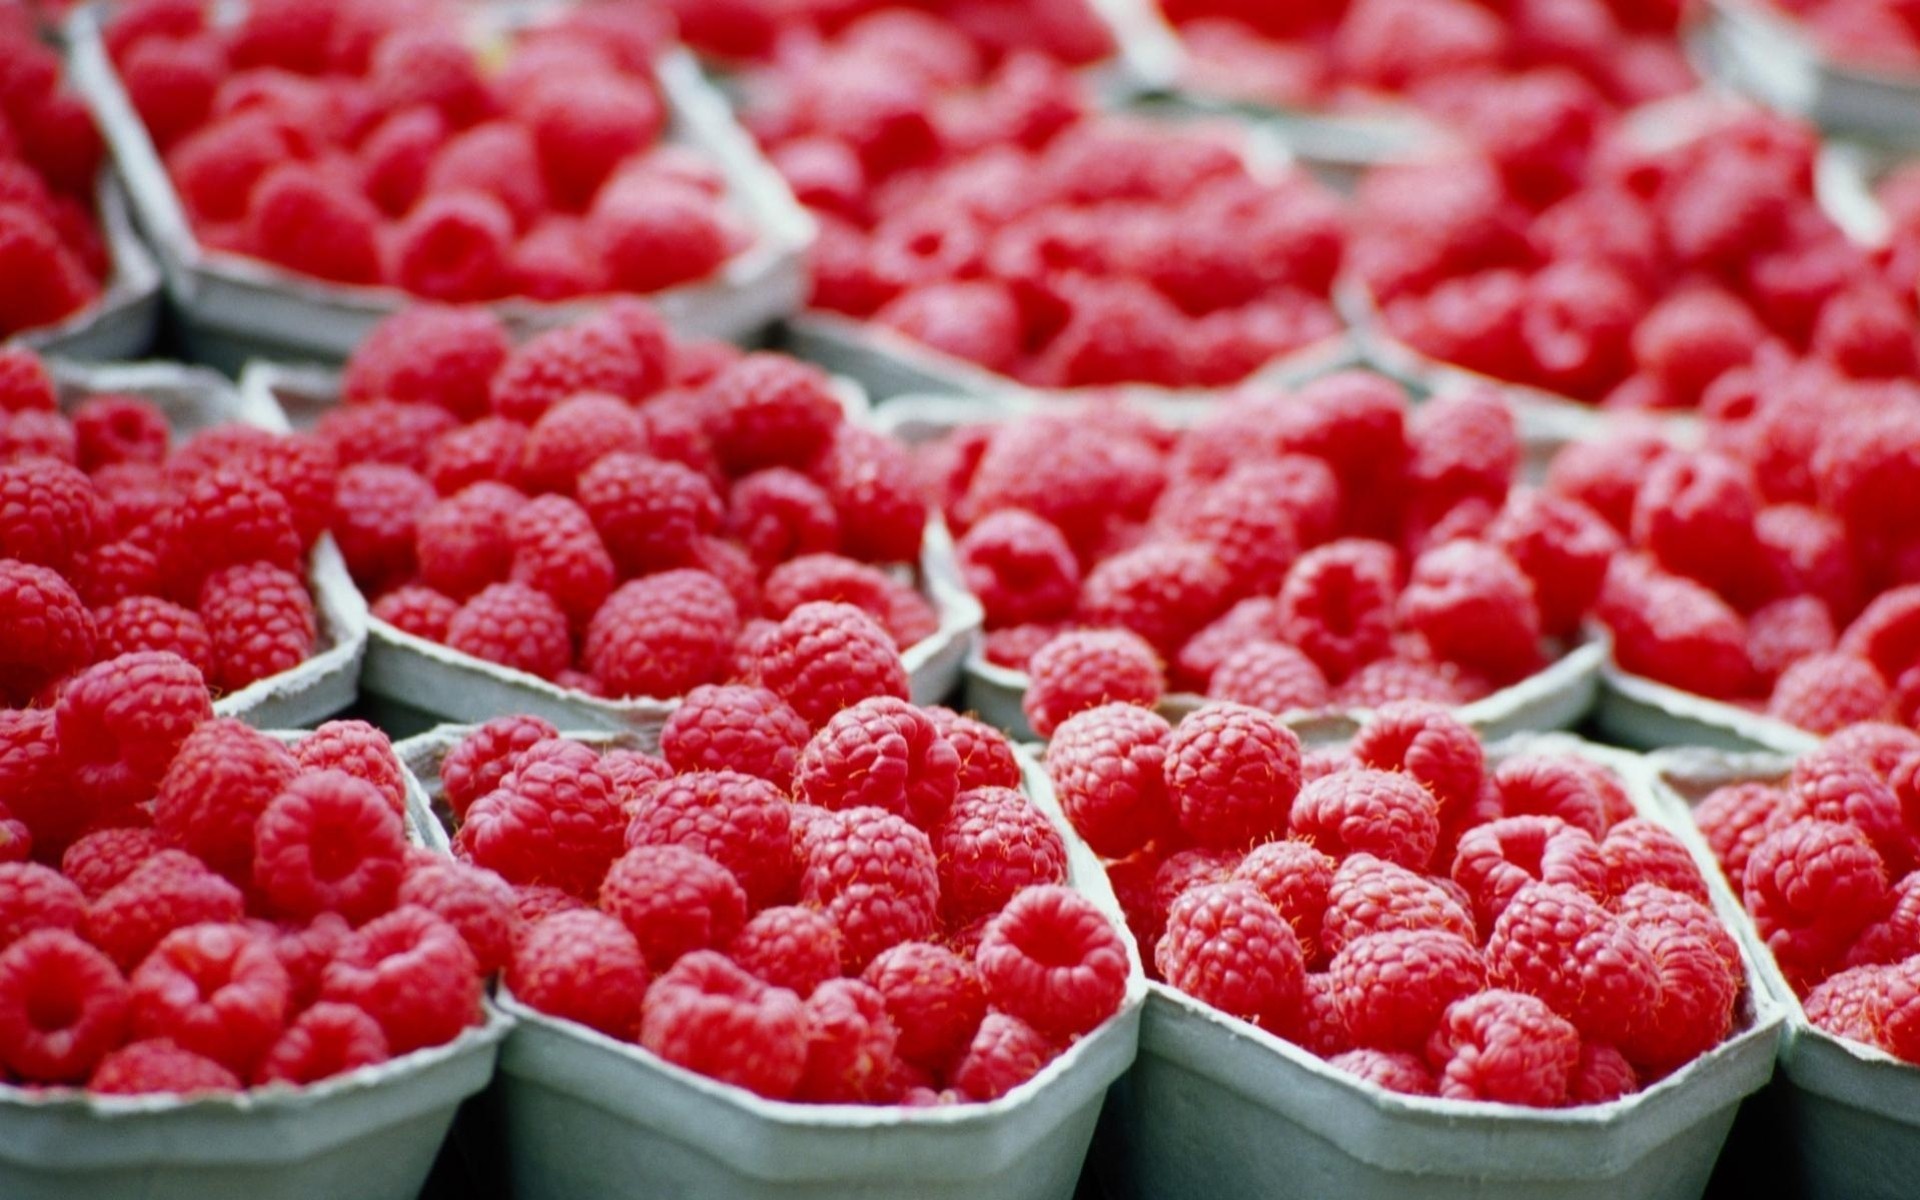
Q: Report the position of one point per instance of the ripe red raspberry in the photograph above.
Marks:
(1737, 818)
(217, 990)
(1641, 851)
(768, 410)
(778, 514)
(150, 623)
(656, 238)
(160, 1066)
(1673, 630)
(515, 626)
(874, 486)
(476, 902)
(114, 428)
(487, 451)
(1381, 813)
(904, 613)
(1004, 1053)
(429, 354)
(329, 843)
(1549, 786)
(170, 890)
(359, 749)
(575, 434)
(1232, 775)
(1804, 552)
(411, 972)
(1270, 676)
(302, 218)
(1461, 446)
(1107, 766)
(1603, 1074)
(631, 773)
(462, 543)
(261, 620)
(881, 753)
(1369, 895)
(674, 900)
(555, 819)
(120, 722)
(31, 435)
(1887, 633)
(1557, 943)
(1851, 1004)
(419, 611)
(1396, 1071)
(1812, 886)
(1506, 1047)
(1021, 568)
(36, 897)
(454, 247)
(556, 550)
(101, 859)
(1896, 936)
(581, 966)
(1879, 745)
(993, 844)
(1391, 988)
(1053, 960)
(63, 1006)
(822, 657)
(708, 1015)
(651, 513)
(986, 756)
(1606, 474)
(936, 1000)
(1695, 516)
(25, 383)
(1163, 591)
(1475, 607)
(737, 727)
(739, 821)
(1701, 974)
(1085, 669)
(1495, 860)
(1227, 945)
(376, 518)
(482, 759)
(48, 512)
(663, 635)
(114, 571)
(1563, 546)
(45, 629)
(588, 356)
(1296, 879)
(224, 776)
(324, 1041)
(1337, 604)
(874, 874)
(1828, 692)
(791, 947)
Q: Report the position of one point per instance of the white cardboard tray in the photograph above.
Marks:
(1766, 54)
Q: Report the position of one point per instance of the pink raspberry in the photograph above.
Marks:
(650, 512)
(1021, 567)
(1495, 860)
(555, 820)
(1812, 886)
(1699, 986)
(160, 1066)
(150, 623)
(1674, 630)
(874, 487)
(324, 1041)
(170, 890)
(1369, 895)
(874, 874)
(1232, 774)
(1227, 945)
(462, 543)
(45, 629)
(1641, 851)
(581, 966)
(779, 514)
(1563, 546)
(674, 900)
(824, 657)
(739, 821)
(791, 947)
(880, 753)
(103, 858)
(738, 727)
(359, 749)
(1475, 607)
(1163, 591)
(1270, 676)
(412, 973)
(329, 843)
(1557, 943)
(1559, 787)
(708, 1015)
(217, 990)
(1887, 633)
(1825, 693)
(63, 1007)
(1603, 1074)
(1506, 1047)
(221, 781)
(36, 897)
(904, 613)
(482, 759)
(1085, 669)
(1296, 878)
(1053, 960)
(1392, 988)
(1737, 818)
(589, 356)
(476, 902)
(1851, 1004)
(1004, 1053)
(49, 511)
(986, 756)
(936, 999)
(429, 354)
(1396, 1071)
(120, 723)
(1107, 766)
(992, 845)
(662, 635)
(1337, 604)
(262, 622)
(557, 551)
(487, 451)
(1377, 812)
(632, 772)
(769, 410)
(851, 1046)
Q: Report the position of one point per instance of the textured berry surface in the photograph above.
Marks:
(1228, 946)
(1557, 943)
(581, 966)
(1108, 769)
(741, 822)
(1232, 774)
(1504, 1046)
(708, 1015)
(1082, 670)
(1052, 959)
(880, 753)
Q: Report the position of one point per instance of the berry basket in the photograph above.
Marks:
(1846, 1111)
(661, 1129)
(194, 399)
(1761, 51)
(1645, 713)
(372, 1133)
(1218, 1107)
(233, 308)
(429, 678)
(122, 325)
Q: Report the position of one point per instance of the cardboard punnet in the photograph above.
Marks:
(194, 399)
(233, 308)
(584, 1116)
(122, 323)
(1648, 715)
(1759, 50)
(1848, 1114)
(1218, 1108)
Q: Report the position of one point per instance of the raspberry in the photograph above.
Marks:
(991, 846)
(1377, 812)
(1494, 861)
(515, 626)
(377, 509)
(411, 972)
(1082, 670)
(101, 859)
(487, 451)
(791, 947)
(1106, 765)
(1053, 960)
(828, 577)
(429, 354)
(581, 966)
(261, 620)
(224, 776)
(1641, 851)
(36, 897)
(360, 750)
(823, 657)
(330, 842)
(1368, 895)
(1004, 1053)
(535, 902)
(461, 542)
(554, 819)
(557, 551)
(851, 1046)
(45, 630)
(1506, 1047)
(1879, 745)
(1887, 634)
(1851, 1004)
(1806, 550)
(656, 239)
(114, 571)
(1673, 630)
(739, 821)
(1863, 464)
(1461, 446)
(171, 82)
(37, 435)
(674, 900)
(874, 874)
(48, 512)
(1163, 591)
(575, 434)
(1296, 879)
(936, 999)
(1735, 819)
(880, 753)
(476, 902)
(1337, 604)
(301, 218)
(1270, 676)
(482, 759)
(768, 410)
(1392, 988)
(663, 635)
(1475, 607)
(383, 433)
(166, 892)
(216, 990)
(1395, 1071)
(708, 1015)
(1232, 774)
(159, 1065)
(25, 383)
(1557, 943)
(1701, 974)
(1227, 945)
(631, 772)
(1812, 886)
(63, 1006)
(114, 429)
(1828, 692)
(324, 1041)
(562, 363)
(877, 491)
(778, 514)
(1431, 745)
(120, 722)
(1542, 785)
(150, 623)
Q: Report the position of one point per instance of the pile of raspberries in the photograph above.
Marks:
(189, 906)
(1825, 862)
(609, 508)
(976, 202)
(1426, 919)
(1880, 35)
(1436, 54)
(1774, 567)
(746, 33)
(114, 540)
(1328, 547)
(52, 256)
(1630, 275)
(855, 909)
(367, 142)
